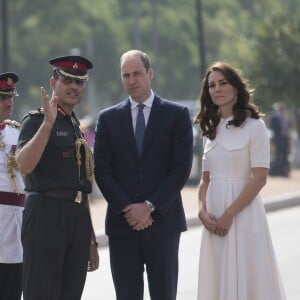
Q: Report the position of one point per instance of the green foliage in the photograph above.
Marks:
(278, 51)
(259, 37)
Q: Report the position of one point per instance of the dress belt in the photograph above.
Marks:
(69, 195)
(8, 198)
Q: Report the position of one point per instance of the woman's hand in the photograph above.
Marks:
(208, 220)
(223, 224)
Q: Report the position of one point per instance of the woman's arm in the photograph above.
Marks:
(247, 195)
(208, 220)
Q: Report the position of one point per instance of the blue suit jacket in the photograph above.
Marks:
(158, 175)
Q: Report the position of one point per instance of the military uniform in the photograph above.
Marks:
(12, 200)
(57, 228)
(58, 166)
(52, 219)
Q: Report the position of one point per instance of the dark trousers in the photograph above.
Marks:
(280, 165)
(10, 281)
(56, 236)
(129, 256)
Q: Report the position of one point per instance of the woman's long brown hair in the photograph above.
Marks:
(209, 115)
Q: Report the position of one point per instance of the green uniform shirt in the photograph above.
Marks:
(57, 168)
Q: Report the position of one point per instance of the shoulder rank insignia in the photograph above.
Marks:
(38, 111)
(12, 123)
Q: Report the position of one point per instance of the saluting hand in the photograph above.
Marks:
(49, 107)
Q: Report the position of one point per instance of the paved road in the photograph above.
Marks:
(284, 226)
(280, 188)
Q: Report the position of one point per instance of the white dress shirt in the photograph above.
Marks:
(147, 109)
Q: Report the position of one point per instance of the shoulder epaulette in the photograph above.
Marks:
(38, 111)
(12, 123)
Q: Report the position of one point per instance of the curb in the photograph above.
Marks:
(271, 204)
(282, 201)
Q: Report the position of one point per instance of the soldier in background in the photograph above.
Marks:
(12, 195)
(280, 126)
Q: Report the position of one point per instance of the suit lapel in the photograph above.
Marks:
(153, 122)
(126, 124)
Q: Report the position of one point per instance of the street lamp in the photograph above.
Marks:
(201, 39)
(5, 58)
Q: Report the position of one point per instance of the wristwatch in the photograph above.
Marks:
(150, 206)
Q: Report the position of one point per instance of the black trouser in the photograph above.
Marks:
(10, 281)
(56, 237)
(129, 255)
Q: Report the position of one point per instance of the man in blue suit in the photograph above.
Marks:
(143, 157)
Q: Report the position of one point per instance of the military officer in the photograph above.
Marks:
(57, 233)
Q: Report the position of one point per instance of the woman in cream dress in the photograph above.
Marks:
(237, 260)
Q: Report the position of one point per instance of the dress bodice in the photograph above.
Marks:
(236, 150)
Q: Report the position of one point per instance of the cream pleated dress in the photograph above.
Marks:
(242, 265)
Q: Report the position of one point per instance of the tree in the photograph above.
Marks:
(235, 31)
(277, 52)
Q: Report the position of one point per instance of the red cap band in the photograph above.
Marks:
(69, 65)
(7, 84)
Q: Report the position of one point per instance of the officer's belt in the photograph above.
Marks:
(69, 195)
(8, 198)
